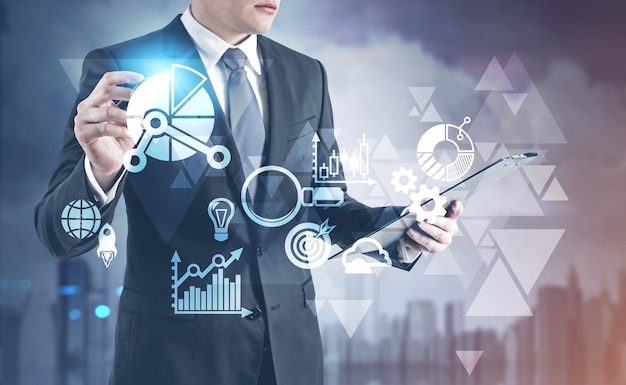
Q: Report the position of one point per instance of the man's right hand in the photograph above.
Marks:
(100, 125)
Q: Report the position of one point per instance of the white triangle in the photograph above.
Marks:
(476, 228)
(538, 175)
(431, 115)
(315, 305)
(499, 296)
(377, 192)
(555, 192)
(422, 95)
(502, 152)
(517, 74)
(498, 124)
(527, 251)
(385, 150)
(324, 285)
(255, 159)
(494, 78)
(485, 149)
(515, 101)
(73, 68)
(443, 263)
(510, 196)
(487, 255)
(350, 312)
(414, 112)
(487, 241)
(469, 359)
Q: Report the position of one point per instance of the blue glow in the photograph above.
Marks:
(102, 311)
(25, 284)
(4, 284)
(69, 290)
(119, 290)
(74, 314)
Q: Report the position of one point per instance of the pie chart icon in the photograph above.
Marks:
(171, 117)
(445, 152)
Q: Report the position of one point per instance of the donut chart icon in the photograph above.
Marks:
(171, 117)
(445, 152)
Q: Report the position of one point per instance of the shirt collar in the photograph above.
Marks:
(211, 47)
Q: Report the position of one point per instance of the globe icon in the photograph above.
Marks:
(80, 219)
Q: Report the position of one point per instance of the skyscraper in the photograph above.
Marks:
(551, 337)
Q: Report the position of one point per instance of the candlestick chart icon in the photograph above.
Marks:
(222, 295)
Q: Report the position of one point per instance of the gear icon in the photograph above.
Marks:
(423, 195)
(404, 180)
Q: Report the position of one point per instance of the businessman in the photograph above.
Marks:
(269, 135)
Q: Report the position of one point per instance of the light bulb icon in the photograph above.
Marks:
(221, 212)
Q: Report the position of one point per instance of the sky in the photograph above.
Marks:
(374, 51)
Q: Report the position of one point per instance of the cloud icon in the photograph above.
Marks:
(358, 265)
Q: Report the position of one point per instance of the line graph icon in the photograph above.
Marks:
(171, 117)
(221, 296)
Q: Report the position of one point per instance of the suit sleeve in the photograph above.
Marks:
(69, 180)
(354, 219)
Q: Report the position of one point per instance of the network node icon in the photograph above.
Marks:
(445, 152)
(80, 219)
(171, 117)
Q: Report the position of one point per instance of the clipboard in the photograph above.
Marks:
(392, 231)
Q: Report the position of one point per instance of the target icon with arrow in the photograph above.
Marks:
(308, 244)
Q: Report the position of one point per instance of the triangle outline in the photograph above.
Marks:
(555, 192)
(385, 150)
(476, 228)
(487, 255)
(422, 95)
(499, 296)
(514, 101)
(538, 175)
(485, 149)
(431, 115)
(181, 181)
(350, 312)
(494, 78)
(527, 259)
(469, 359)
(444, 263)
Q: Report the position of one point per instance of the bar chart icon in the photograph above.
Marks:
(220, 295)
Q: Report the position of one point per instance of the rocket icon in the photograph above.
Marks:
(106, 244)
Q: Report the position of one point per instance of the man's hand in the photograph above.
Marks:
(100, 125)
(435, 237)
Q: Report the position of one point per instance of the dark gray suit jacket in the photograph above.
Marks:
(153, 345)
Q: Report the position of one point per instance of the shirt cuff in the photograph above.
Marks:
(101, 197)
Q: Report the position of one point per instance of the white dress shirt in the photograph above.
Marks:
(211, 48)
